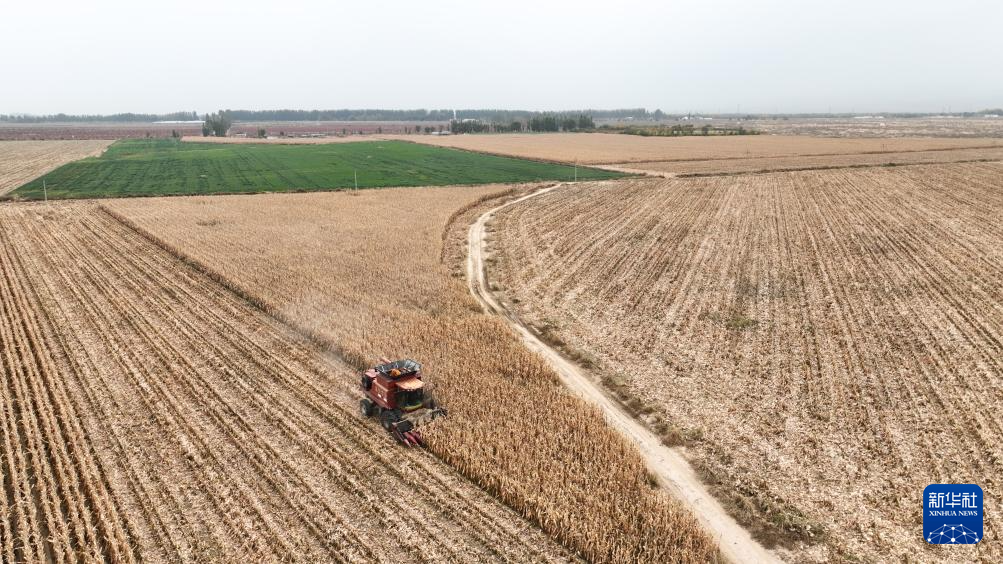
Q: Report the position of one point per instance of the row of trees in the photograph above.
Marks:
(217, 124)
(561, 123)
(487, 116)
(680, 130)
(555, 122)
(475, 126)
(128, 117)
(495, 117)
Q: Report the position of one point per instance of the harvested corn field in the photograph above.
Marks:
(363, 273)
(21, 161)
(149, 414)
(768, 164)
(826, 343)
(605, 148)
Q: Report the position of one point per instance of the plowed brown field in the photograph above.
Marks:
(768, 164)
(149, 414)
(601, 148)
(826, 343)
(363, 273)
(21, 161)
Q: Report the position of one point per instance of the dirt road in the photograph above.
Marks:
(668, 465)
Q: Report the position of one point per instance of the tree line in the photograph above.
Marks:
(217, 124)
(127, 117)
(679, 130)
(555, 122)
(493, 116)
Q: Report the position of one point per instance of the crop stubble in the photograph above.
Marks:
(21, 161)
(609, 148)
(364, 273)
(150, 414)
(828, 343)
(778, 164)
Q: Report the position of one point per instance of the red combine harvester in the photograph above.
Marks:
(395, 393)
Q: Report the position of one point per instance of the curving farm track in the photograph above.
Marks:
(673, 471)
(150, 414)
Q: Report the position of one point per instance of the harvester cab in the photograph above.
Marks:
(396, 395)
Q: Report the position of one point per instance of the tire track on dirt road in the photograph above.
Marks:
(670, 467)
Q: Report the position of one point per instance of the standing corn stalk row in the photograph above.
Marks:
(57, 505)
(337, 268)
(166, 419)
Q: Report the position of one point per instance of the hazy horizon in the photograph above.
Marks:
(775, 56)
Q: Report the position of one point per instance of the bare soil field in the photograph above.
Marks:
(875, 126)
(739, 166)
(149, 414)
(608, 148)
(364, 273)
(21, 161)
(823, 344)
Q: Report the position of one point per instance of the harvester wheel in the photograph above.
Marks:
(388, 418)
(366, 407)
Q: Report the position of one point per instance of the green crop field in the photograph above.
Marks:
(156, 167)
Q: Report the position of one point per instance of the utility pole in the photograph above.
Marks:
(576, 170)
(356, 180)
(45, 191)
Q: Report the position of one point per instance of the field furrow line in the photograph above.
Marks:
(100, 512)
(857, 361)
(89, 378)
(435, 503)
(941, 357)
(290, 415)
(874, 332)
(37, 478)
(933, 284)
(914, 243)
(882, 382)
(146, 388)
(76, 488)
(95, 314)
(303, 391)
(194, 443)
(113, 531)
(252, 392)
(18, 521)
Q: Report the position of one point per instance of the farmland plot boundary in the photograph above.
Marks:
(219, 432)
(835, 335)
(671, 469)
(598, 472)
(355, 361)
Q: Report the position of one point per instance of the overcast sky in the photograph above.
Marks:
(702, 56)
